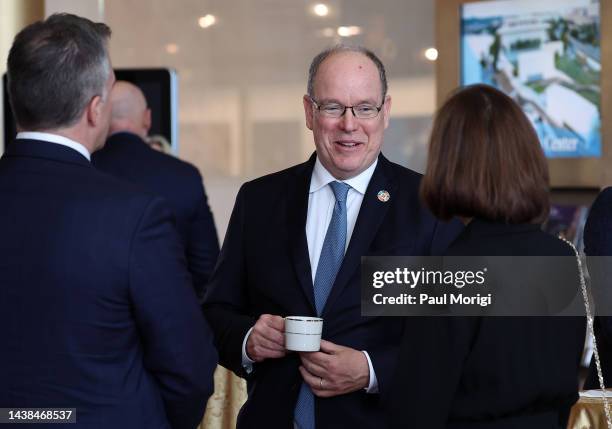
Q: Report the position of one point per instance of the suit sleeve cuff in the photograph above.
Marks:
(247, 363)
(373, 384)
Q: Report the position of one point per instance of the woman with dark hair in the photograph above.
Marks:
(486, 167)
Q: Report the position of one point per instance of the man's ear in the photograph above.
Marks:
(308, 111)
(387, 110)
(146, 120)
(94, 110)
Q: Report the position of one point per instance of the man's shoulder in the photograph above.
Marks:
(408, 180)
(175, 166)
(112, 189)
(130, 149)
(300, 174)
(601, 210)
(605, 198)
(279, 179)
(402, 172)
(114, 203)
(598, 223)
(78, 185)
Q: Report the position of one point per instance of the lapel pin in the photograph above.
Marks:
(383, 196)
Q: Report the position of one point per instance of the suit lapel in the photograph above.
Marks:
(297, 208)
(371, 215)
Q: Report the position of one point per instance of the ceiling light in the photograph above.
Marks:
(349, 31)
(207, 20)
(431, 54)
(321, 9)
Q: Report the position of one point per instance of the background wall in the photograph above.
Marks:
(241, 80)
(14, 15)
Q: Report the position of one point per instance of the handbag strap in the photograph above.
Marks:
(589, 315)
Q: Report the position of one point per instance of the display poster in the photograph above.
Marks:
(546, 55)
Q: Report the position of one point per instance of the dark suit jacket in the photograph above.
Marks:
(264, 268)
(126, 156)
(97, 311)
(598, 242)
(491, 372)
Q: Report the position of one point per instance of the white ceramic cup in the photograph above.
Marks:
(303, 334)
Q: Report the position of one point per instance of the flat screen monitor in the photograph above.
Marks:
(160, 88)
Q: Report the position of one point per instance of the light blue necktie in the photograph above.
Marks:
(330, 260)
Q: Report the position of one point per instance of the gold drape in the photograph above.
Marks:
(587, 413)
(14, 15)
(224, 404)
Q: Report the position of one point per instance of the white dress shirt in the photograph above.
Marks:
(321, 201)
(54, 138)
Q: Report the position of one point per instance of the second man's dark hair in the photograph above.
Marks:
(55, 67)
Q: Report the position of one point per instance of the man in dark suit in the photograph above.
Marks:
(294, 246)
(598, 248)
(97, 311)
(127, 156)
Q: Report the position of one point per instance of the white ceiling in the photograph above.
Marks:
(259, 41)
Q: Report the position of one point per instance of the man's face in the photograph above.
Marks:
(347, 146)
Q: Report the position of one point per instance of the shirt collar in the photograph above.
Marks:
(321, 177)
(55, 138)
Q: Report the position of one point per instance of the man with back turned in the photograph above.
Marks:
(127, 156)
(97, 312)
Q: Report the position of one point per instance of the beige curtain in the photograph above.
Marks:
(14, 15)
(224, 404)
(588, 413)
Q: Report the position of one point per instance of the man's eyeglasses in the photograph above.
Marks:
(335, 110)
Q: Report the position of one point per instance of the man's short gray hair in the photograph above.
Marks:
(55, 67)
(322, 56)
